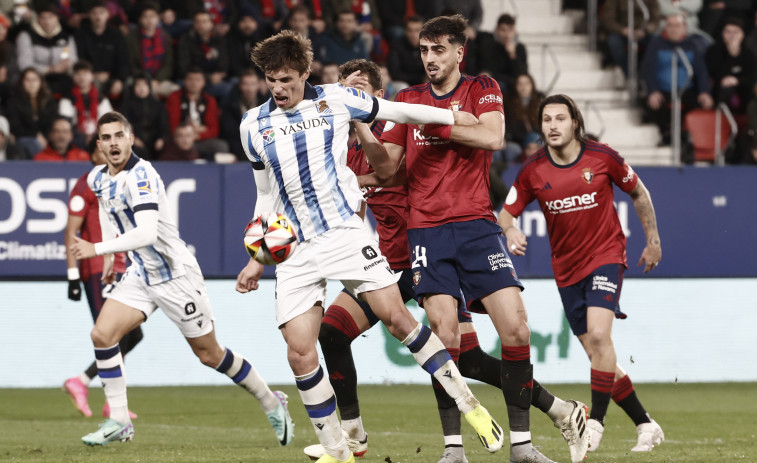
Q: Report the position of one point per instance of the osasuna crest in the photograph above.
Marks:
(416, 277)
(587, 175)
(269, 135)
(455, 106)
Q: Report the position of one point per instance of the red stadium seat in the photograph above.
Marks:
(701, 123)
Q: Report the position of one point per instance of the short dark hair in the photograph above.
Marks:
(368, 68)
(452, 27)
(149, 5)
(734, 21)
(83, 65)
(195, 69)
(113, 116)
(285, 50)
(573, 110)
(97, 4)
(505, 19)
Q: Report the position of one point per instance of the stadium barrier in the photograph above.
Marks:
(707, 219)
(674, 333)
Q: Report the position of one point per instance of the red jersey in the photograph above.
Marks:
(446, 182)
(389, 207)
(577, 201)
(83, 203)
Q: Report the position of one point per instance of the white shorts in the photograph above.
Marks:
(347, 253)
(184, 299)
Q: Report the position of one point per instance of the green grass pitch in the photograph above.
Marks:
(702, 422)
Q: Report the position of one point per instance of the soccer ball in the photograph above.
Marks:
(270, 239)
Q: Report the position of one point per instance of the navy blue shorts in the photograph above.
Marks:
(600, 289)
(407, 291)
(461, 256)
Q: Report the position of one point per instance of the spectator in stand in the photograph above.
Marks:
(60, 144)
(248, 94)
(521, 119)
(201, 47)
(8, 63)
(223, 13)
(48, 48)
(242, 38)
(330, 73)
(689, 9)
(394, 14)
(181, 146)
(404, 63)
(365, 11)
(151, 50)
(614, 21)
(31, 110)
(149, 118)
(22, 14)
(70, 12)
(714, 12)
(194, 106)
(105, 47)
(299, 21)
(732, 68)
(85, 104)
(391, 87)
(656, 72)
(272, 13)
(8, 150)
(344, 42)
(501, 55)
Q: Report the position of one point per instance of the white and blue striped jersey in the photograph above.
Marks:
(139, 187)
(304, 153)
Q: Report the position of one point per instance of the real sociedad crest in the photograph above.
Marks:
(323, 107)
(587, 175)
(269, 135)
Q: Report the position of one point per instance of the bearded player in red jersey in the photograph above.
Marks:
(348, 317)
(572, 178)
(84, 219)
(456, 243)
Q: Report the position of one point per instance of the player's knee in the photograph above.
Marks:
(598, 340)
(331, 337)
(515, 334)
(101, 339)
(400, 323)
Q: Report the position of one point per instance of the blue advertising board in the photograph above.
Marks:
(707, 219)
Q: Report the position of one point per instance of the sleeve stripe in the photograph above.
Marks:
(257, 165)
(374, 111)
(146, 207)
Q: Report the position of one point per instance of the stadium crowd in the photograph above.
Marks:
(181, 70)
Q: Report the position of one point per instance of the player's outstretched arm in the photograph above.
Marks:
(145, 233)
(642, 202)
(408, 113)
(516, 240)
(248, 278)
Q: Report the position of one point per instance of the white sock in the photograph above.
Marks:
(431, 354)
(517, 437)
(455, 440)
(85, 380)
(110, 368)
(354, 428)
(245, 375)
(559, 409)
(320, 402)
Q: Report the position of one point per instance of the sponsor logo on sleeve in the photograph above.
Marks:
(144, 187)
(490, 98)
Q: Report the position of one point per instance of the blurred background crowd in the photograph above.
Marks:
(180, 71)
